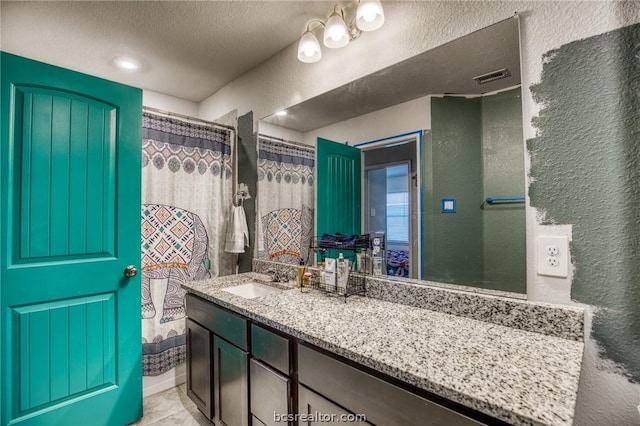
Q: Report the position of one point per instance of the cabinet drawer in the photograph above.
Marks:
(271, 348)
(310, 404)
(270, 393)
(225, 324)
(362, 393)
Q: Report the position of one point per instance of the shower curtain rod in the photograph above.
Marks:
(186, 117)
(261, 135)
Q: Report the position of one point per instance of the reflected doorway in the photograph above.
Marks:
(390, 201)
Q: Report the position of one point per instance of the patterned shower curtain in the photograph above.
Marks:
(286, 195)
(186, 188)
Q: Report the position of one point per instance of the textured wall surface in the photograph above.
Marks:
(589, 142)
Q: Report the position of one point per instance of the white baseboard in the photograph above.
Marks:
(169, 379)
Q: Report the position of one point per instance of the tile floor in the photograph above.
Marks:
(169, 408)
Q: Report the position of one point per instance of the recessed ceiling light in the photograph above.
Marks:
(126, 63)
(281, 113)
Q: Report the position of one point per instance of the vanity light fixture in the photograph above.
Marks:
(337, 33)
(281, 113)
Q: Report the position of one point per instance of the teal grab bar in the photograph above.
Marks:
(496, 200)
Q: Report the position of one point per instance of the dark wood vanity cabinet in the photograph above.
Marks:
(217, 362)
(241, 372)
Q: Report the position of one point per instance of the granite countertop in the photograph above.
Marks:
(521, 377)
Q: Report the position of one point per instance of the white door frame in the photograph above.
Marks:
(417, 137)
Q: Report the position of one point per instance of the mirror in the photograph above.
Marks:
(442, 163)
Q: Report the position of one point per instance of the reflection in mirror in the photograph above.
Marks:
(435, 145)
(391, 200)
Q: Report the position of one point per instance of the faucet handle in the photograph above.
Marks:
(281, 275)
(289, 275)
(273, 273)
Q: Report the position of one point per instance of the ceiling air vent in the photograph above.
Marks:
(492, 76)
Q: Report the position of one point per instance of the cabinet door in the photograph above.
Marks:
(199, 341)
(316, 410)
(231, 390)
(270, 394)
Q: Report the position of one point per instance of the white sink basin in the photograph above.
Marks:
(251, 290)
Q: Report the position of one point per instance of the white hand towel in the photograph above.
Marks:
(237, 236)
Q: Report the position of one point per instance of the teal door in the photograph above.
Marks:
(70, 164)
(338, 188)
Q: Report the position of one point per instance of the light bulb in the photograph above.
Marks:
(309, 48)
(369, 15)
(336, 33)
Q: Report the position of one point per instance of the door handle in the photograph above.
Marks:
(130, 271)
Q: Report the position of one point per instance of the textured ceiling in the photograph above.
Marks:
(188, 49)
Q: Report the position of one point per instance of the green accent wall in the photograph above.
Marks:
(504, 227)
(585, 170)
(474, 150)
(454, 254)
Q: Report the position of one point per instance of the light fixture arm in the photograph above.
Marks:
(315, 21)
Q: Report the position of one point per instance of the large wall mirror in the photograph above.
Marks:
(441, 168)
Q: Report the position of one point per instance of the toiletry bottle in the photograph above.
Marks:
(330, 274)
(301, 270)
(342, 274)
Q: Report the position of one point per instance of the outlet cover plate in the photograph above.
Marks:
(559, 245)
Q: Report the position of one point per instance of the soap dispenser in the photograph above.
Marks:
(301, 270)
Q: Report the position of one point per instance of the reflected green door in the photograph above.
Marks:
(70, 224)
(338, 188)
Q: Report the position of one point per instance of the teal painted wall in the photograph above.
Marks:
(475, 150)
(585, 165)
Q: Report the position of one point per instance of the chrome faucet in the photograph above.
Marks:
(278, 275)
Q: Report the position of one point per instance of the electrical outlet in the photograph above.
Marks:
(552, 250)
(553, 256)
